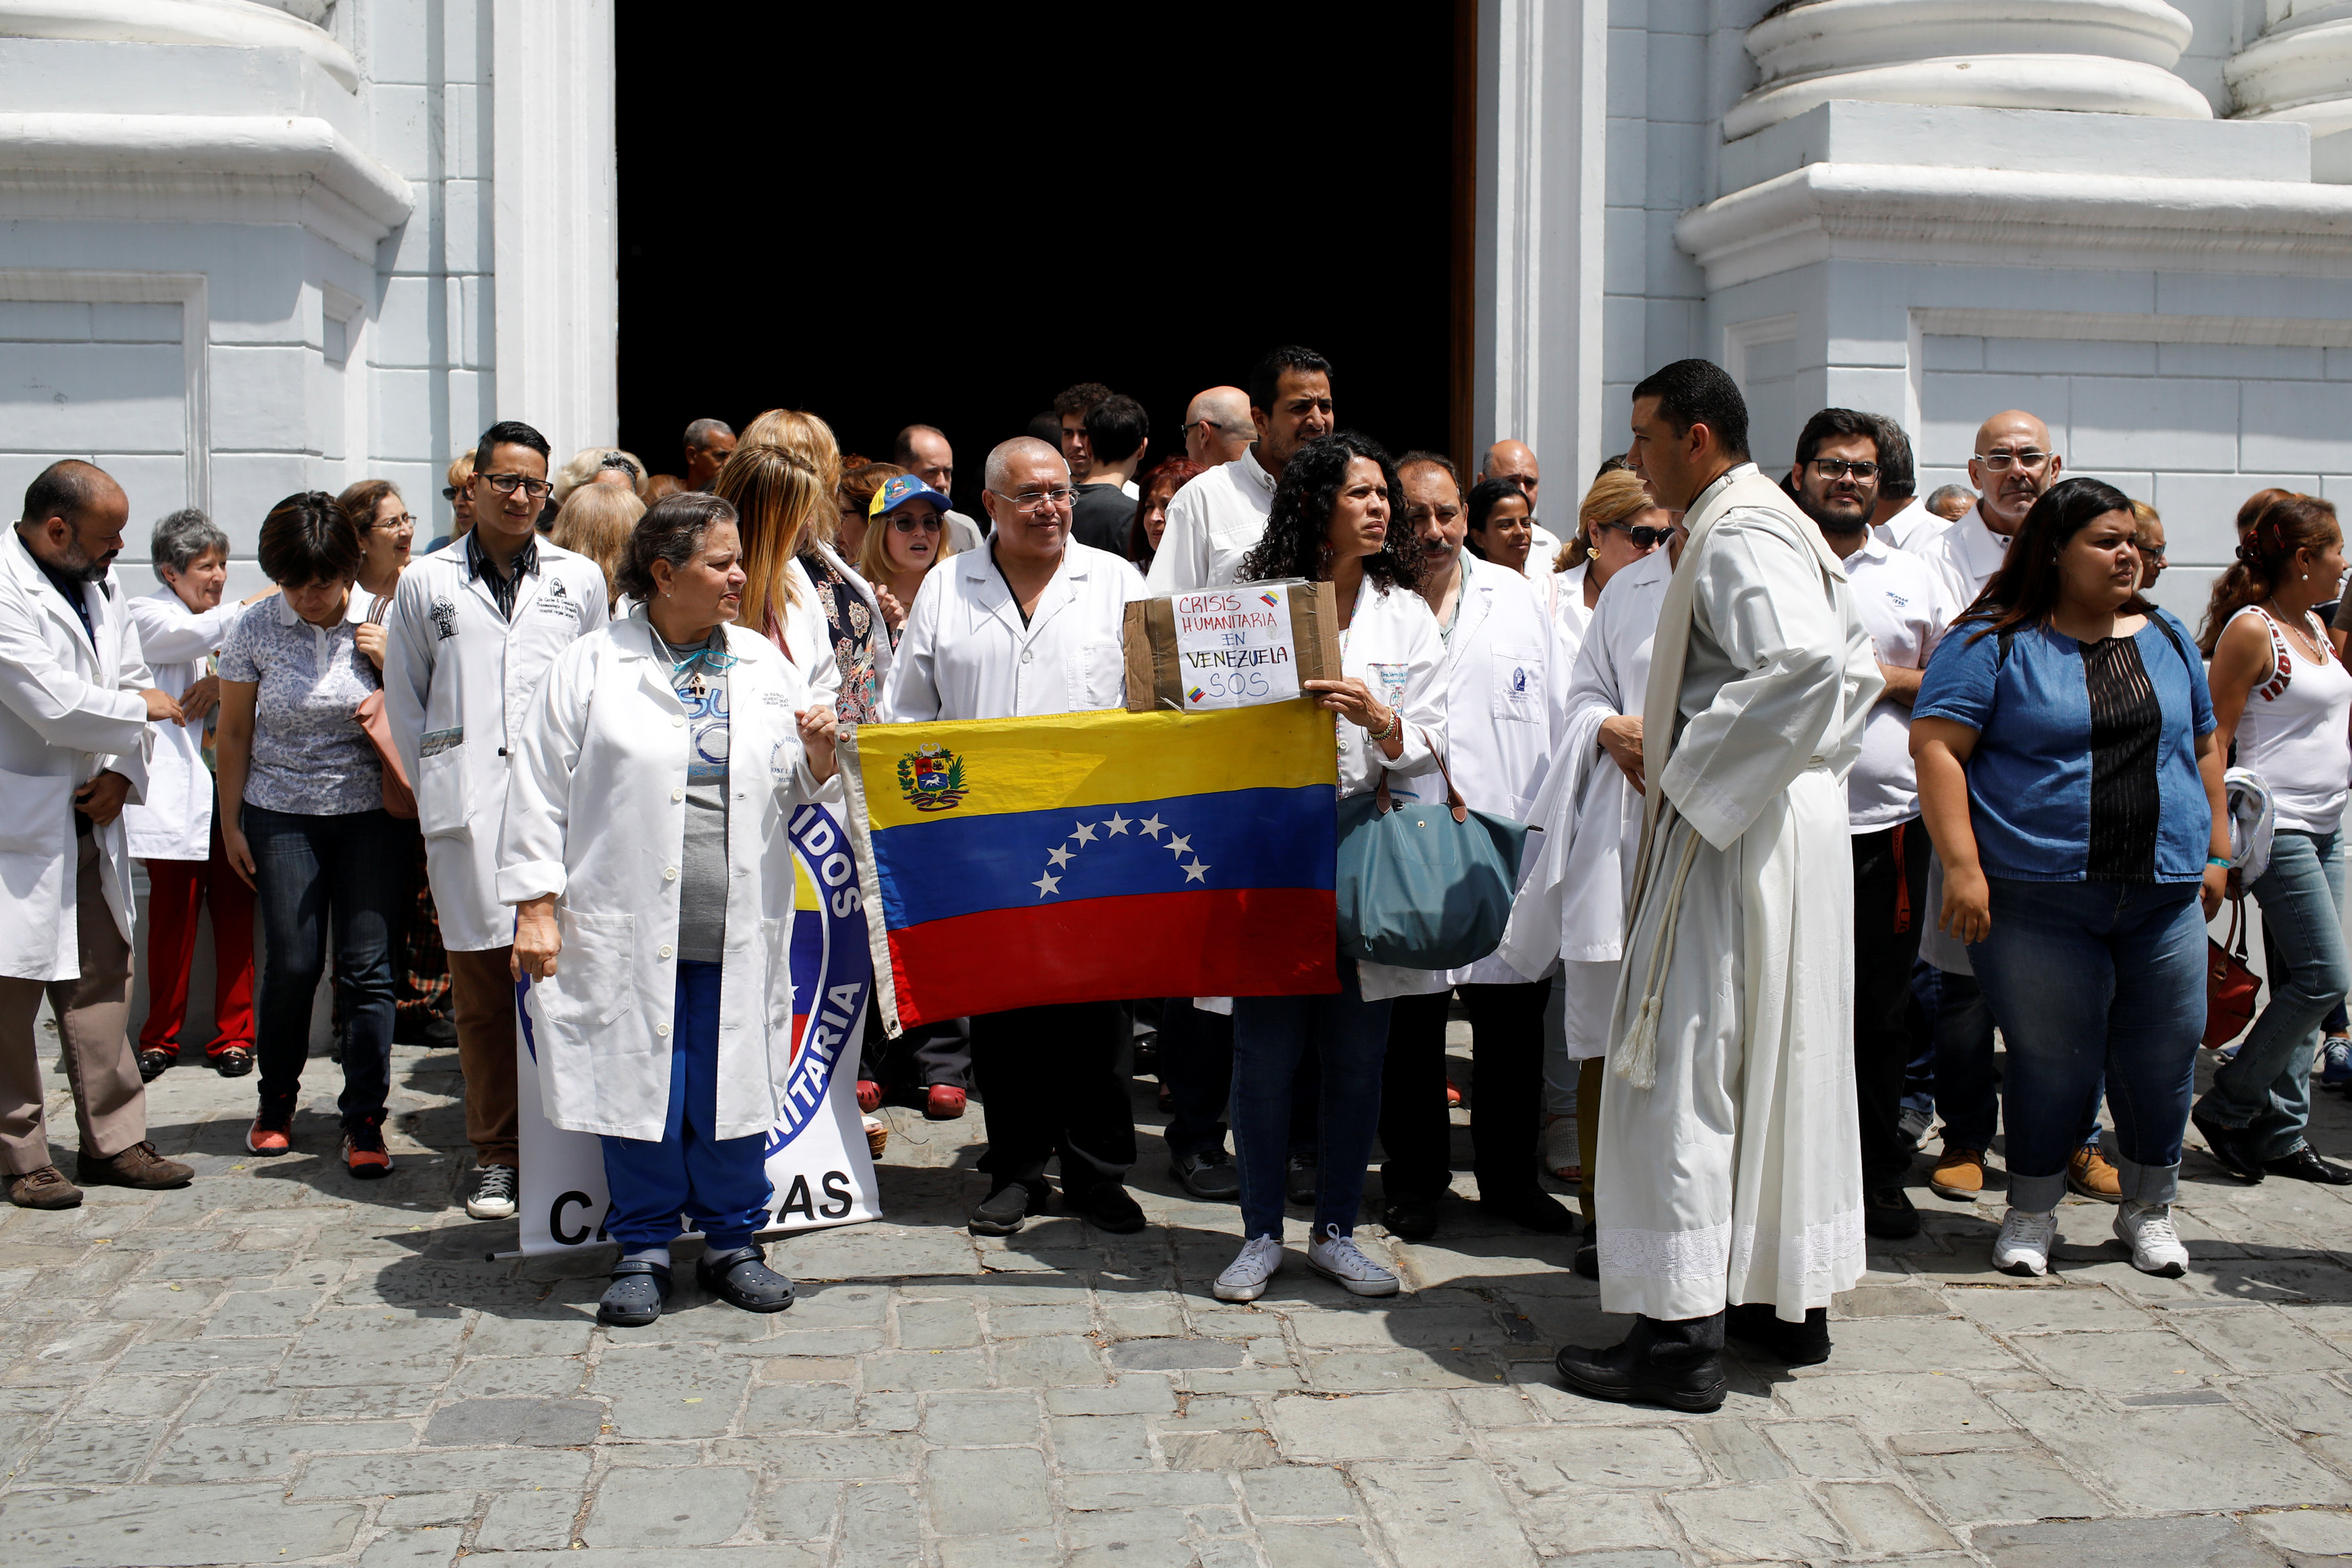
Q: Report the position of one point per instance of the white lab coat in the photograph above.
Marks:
(595, 814)
(458, 679)
(175, 823)
(1567, 607)
(70, 710)
(964, 653)
(1505, 680)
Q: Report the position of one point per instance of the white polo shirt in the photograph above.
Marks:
(1904, 605)
(1965, 555)
(1213, 521)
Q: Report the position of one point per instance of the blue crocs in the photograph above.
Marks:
(635, 1297)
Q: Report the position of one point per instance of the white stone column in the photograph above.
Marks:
(2111, 56)
(555, 219)
(2301, 70)
(1542, 121)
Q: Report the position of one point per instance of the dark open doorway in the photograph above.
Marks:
(889, 214)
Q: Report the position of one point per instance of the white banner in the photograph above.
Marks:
(817, 1154)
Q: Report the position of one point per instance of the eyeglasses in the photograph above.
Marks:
(908, 524)
(2154, 552)
(1839, 467)
(1642, 537)
(508, 483)
(403, 521)
(1999, 462)
(1039, 501)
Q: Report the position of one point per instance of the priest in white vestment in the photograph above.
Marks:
(1728, 1167)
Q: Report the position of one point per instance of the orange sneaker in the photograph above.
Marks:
(272, 1133)
(364, 1154)
(944, 1104)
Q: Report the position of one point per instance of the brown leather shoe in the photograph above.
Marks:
(139, 1166)
(44, 1189)
(1959, 1173)
(2089, 1173)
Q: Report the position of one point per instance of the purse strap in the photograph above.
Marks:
(2236, 943)
(1384, 800)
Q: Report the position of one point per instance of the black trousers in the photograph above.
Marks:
(1890, 889)
(1506, 1047)
(1196, 1064)
(926, 1054)
(1053, 1080)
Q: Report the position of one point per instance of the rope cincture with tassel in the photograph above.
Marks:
(1636, 1057)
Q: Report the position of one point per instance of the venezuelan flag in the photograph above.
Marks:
(1094, 856)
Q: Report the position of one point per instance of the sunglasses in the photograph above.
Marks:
(1643, 537)
(909, 525)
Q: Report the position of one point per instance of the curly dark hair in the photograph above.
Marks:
(1296, 543)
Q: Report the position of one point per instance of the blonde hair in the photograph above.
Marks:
(1615, 497)
(461, 474)
(595, 521)
(582, 468)
(874, 561)
(779, 497)
(809, 438)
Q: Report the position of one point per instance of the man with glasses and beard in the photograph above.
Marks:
(472, 632)
(1905, 609)
(76, 700)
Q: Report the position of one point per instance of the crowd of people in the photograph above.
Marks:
(559, 745)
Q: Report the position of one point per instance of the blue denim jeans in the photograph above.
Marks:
(1348, 1038)
(348, 877)
(720, 1184)
(2091, 975)
(2266, 1087)
(1967, 1080)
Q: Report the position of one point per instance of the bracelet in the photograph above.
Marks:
(1395, 718)
(2217, 860)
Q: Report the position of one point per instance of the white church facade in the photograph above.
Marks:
(252, 248)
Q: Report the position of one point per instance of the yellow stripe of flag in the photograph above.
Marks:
(1094, 758)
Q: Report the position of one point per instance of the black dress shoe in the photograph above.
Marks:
(1209, 1176)
(741, 1278)
(1534, 1209)
(1800, 1344)
(2305, 1165)
(1415, 1219)
(1004, 1211)
(1301, 1177)
(154, 1064)
(2228, 1147)
(1107, 1205)
(1586, 1264)
(1888, 1213)
(635, 1297)
(1623, 1374)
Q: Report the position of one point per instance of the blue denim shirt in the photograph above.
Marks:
(2030, 775)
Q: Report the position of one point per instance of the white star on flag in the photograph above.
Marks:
(1047, 883)
(1117, 825)
(1084, 832)
(1059, 856)
(1152, 826)
(1193, 873)
(1179, 847)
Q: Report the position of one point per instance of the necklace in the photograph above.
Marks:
(708, 657)
(2303, 640)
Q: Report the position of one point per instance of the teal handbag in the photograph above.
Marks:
(1423, 886)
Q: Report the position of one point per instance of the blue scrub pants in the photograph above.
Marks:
(720, 1185)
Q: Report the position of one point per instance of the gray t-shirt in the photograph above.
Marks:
(702, 870)
(310, 758)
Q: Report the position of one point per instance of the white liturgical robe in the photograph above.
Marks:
(1729, 1169)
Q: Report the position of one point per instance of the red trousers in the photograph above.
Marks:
(177, 893)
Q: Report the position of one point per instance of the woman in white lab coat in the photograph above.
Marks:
(1332, 521)
(646, 853)
(176, 832)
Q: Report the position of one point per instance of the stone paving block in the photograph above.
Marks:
(1251, 1378)
(1889, 1302)
(803, 1369)
(890, 1412)
(1583, 1519)
(250, 1452)
(1880, 1519)
(1144, 1488)
(980, 1417)
(1138, 1396)
(1142, 1537)
(1298, 1491)
(1037, 1549)
(837, 1306)
(1316, 1545)
(839, 1456)
(72, 1527)
(2128, 1361)
(1020, 1320)
(764, 1556)
(1177, 1354)
(1885, 1405)
(520, 1376)
(241, 1395)
(492, 1335)
(1823, 1450)
(1763, 1521)
(2122, 1543)
(1143, 1321)
(2317, 1533)
(701, 1505)
(2034, 1310)
(1367, 1371)
(924, 1370)
(436, 1508)
(1049, 1360)
(76, 1352)
(2193, 1457)
(2261, 1340)
(880, 1253)
(382, 1402)
(347, 1346)
(1739, 1451)
(100, 1453)
(664, 1391)
(1088, 1443)
(1910, 1344)
(798, 1510)
(800, 1407)
(267, 1312)
(1412, 1424)
(446, 1469)
(879, 1525)
(1217, 1450)
(1448, 1512)
(1639, 1457)
(2300, 1403)
(543, 1422)
(421, 1547)
(121, 1399)
(934, 1325)
(986, 1491)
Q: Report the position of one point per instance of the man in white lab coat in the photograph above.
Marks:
(473, 630)
(1219, 516)
(1728, 1167)
(1032, 624)
(75, 702)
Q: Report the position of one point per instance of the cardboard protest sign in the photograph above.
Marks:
(1229, 647)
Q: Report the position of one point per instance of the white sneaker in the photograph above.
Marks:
(2156, 1248)
(2024, 1242)
(1335, 1257)
(1244, 1278)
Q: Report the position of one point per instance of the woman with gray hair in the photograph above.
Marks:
(175, 832)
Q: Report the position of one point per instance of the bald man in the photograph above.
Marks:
(1508, 459)
(1217, 427)
(2010, 465)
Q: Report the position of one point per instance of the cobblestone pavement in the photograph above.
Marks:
(282, 1366)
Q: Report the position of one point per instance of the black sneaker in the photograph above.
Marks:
(1532, 1209)
(493, 1197)
(1888, 1213)
(1800, 1344)
(1209, 1176)
(1004, 1211)
(1303, 1177)
(2228, 1147)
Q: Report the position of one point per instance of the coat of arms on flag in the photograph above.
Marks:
(1110, 854)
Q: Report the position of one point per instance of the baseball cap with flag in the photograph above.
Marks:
(901, 488)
